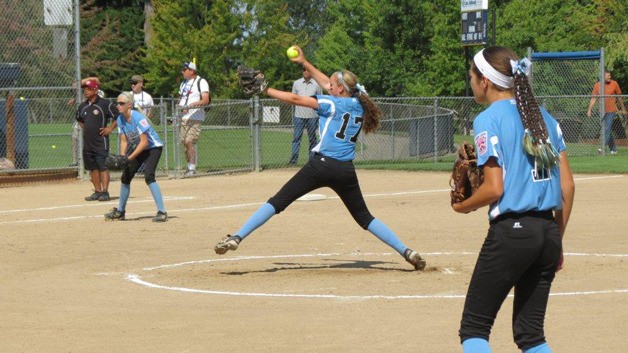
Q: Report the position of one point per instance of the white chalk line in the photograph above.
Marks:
(98, 203)
(174, 211)
(213, 208)
(599, 177)
(135, 278)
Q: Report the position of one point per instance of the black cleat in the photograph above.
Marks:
(114, 215)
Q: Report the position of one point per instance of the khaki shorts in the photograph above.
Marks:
(190, 131)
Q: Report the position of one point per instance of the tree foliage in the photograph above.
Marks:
(396, 47)
(112, 43)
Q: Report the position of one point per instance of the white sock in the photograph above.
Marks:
(191, 166)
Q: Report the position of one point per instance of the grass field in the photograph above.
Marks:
(229, 149)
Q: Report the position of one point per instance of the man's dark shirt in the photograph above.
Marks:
(95, 116)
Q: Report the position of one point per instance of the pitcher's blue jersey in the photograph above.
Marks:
(499, 133)
(138, 125)
(340, 123)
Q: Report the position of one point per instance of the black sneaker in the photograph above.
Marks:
(93, 197)
(160, 217)
(114, 215)
(104, 196)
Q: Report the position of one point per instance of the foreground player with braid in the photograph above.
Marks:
(342, 115)
(529, 189)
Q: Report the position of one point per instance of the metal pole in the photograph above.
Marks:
(493, 26)
(164, 123)
(77, 58)
(435, 130)
(602, 100)
(255, 116)
(466, 71)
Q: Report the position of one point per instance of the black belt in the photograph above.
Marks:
(548, 214)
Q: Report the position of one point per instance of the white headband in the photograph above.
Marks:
(493, 75)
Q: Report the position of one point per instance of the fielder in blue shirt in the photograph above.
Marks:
(529, 189)
(343, 114)
(140, 142)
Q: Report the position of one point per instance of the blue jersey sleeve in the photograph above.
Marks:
(486, 139)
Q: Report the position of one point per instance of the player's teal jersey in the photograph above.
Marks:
(340, 123)
(499, 133)
(138, 125)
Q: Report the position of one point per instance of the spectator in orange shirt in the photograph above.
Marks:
(610, 108)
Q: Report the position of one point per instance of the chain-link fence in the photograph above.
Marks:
(245, 135)
(37, 67)
(564, 83)
(38, 108)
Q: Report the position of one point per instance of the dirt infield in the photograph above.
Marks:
(310, 280)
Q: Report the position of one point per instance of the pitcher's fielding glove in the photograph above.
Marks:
(252, 81)
(466, 177)
(116, 162)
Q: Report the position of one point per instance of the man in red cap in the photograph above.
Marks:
(94, 114)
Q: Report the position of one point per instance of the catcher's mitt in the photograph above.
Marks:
(252, 81)
(466, 177)
(116, 162)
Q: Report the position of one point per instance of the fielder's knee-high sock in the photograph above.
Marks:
(159, 200)
(125, 190)
(541, 348)
(263, 214)
(476, 345)
(386, 235)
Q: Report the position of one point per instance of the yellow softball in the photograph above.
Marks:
(292, 53)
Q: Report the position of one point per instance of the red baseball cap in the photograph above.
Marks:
(90, 84)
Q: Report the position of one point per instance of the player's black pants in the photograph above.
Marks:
(151, 158)
(322, 171)
(521, 250)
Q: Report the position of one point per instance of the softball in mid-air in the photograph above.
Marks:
(292, 53)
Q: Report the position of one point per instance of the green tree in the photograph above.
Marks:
(266, 37)
(111, 43)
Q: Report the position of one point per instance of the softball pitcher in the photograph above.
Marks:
(529, 189)
(342, 116)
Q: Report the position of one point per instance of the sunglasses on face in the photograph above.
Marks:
(121, 103)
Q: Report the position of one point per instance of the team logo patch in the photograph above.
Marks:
(95, 112)
(480, 143)
(144, 123)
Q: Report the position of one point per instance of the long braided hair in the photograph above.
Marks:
(536, 141)
(372, 113)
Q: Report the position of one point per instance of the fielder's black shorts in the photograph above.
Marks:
(521, 250)
(95, 160)
(151, 158)
(322, 171)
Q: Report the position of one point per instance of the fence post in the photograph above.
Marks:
(176, 145)
(435, 129)
(256, 128)
(163, 121)
(392, 131)
(602, 105)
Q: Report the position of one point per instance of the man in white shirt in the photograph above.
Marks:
(141, 99)
(194, 96)
(304, 117)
